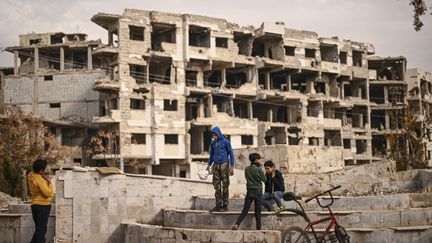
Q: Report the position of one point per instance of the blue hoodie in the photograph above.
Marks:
(220, 149)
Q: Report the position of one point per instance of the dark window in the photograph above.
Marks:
(136, 104)
(137, 72)
(138, 138)
(357, 58)
(35, 41)
(199, 36)
(247, 140)
(310, 53)
(347, 143)
(171, 139)
(290, 50)
(343, 57)
(191, 78)
(170, 105)
(48, 78)
(222, 42)
(54, 105)
(136, 33)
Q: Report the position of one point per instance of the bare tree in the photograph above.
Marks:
(408, 141)
(419, 9)
(23, 138)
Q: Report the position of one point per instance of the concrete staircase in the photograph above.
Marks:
(387, 218)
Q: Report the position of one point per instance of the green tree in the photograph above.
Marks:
(23, 138)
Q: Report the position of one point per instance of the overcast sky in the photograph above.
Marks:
(387, 24)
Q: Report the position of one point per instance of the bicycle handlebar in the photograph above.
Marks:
(322, 193)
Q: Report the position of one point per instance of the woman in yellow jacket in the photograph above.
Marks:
(41, 193)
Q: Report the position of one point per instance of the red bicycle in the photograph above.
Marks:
(297, 234)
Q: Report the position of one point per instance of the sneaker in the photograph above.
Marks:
(215, 209)
(223, 209)
(235, 227)
(279, 209)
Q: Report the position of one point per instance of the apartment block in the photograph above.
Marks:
(164, 80)
(53, 77)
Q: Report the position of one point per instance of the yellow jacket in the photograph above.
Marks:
(41, 191)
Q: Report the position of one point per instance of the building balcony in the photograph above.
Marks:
(330, 67)
(114, 116)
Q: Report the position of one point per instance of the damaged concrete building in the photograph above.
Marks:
(53, 77)
(163, 80)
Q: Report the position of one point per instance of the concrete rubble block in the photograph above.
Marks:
(228, 236)
(380, 219)
(420, 200)
(421, 235)
(416, 217)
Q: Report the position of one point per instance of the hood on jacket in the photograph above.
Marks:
(218, 133)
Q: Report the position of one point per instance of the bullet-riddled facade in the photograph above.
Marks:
(163, 80)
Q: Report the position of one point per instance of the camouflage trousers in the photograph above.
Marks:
(221, 183)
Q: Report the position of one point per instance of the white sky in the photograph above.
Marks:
(387, 24)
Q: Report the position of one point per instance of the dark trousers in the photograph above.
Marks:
(252, 196)
(40, 217)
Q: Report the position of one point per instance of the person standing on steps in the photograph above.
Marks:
(254, 180)
(41, 194)
(274, 187)
(221, 163)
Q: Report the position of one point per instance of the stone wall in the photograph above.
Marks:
(150, 233)
(90, 206)
(296, 159)
(73, 90)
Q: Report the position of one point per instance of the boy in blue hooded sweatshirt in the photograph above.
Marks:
(222, 160)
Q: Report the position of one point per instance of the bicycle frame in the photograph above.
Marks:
(310, 226)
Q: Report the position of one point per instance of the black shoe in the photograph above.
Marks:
(215, 209)
(224, 209)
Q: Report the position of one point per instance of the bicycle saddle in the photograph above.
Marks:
(289, 196)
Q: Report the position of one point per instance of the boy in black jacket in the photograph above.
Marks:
(274, 186)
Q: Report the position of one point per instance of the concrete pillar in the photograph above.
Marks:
(231, 106)
(387, 120)
(223, 78)
(250, 109)
(149, 169)
(58, 135)
(201, 110)
(61, 59)
(200, 79)
(342, 90)
(210, 105)
(386, 100)
(36, 60)
(288, 82)
(89, 58)
(110, 38)
(267, 81)
(270, 115)
(16, 58)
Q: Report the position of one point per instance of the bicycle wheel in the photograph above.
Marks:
(295, 234)
(341, 234)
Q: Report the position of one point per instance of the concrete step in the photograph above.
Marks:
(413, 234)
(135, 232)
(350, 219)
(385, 202)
